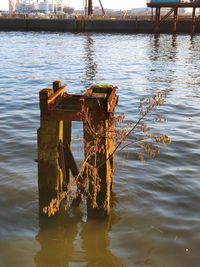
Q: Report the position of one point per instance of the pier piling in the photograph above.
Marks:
(95, 108)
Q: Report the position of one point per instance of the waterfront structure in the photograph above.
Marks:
(174, 6)
(95, 108)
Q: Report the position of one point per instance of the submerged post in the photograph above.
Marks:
(95, 109)
(49, 173)
(101, 139)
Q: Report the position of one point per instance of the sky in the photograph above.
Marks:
(115, 4)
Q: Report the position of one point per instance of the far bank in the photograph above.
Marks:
(94, 25)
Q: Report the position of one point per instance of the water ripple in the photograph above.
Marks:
(156, 212)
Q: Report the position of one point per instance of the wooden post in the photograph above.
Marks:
(49, 172)
(175, 19)
(157, 26)
(98, 201)
(193, 20)
(56, 86)
(99, 144)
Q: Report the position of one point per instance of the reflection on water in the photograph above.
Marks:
(89, 58)
(67, 240)
(158, 212)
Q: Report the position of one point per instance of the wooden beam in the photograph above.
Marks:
(72, 163)
(58, 93)
(57, 115)
(168, 14)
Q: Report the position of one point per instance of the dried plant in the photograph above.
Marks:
(137, 135)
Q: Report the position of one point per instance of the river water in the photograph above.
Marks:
(155, 218)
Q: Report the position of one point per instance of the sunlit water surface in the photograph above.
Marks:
(155, 218)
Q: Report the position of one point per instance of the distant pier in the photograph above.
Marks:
(174, 7)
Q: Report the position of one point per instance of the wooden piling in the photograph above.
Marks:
(99, 171)
(157, 22)
(49, 173)
(55, 158)
(100, 140)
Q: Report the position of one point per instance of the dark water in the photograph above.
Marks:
(155, 219)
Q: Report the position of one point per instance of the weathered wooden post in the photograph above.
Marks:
(101, 140)
(50, 176)
(55, 159)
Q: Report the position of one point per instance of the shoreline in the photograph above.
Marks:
(95, 25)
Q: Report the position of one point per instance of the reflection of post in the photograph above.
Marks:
(96, 244)
(174, 40)
(68, 241)
(159, 51)
(157, 47)
(91, 66)
(56, 237)
(49, 174)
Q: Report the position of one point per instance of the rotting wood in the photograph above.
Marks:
(58, 110)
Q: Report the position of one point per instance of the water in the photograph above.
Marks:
(155, 218)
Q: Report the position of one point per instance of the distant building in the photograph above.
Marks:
(139, 11)
(23, 8)
(68, 10)
(28, 6)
